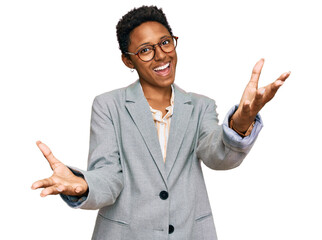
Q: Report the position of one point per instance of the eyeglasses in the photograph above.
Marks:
(147, 53)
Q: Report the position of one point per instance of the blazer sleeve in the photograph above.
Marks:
(220, 147)
(104, 173)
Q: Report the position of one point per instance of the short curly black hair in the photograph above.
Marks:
(133, 19)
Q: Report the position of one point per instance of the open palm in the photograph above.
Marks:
(254, 98)
(62, 181)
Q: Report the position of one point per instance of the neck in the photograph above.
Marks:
(156, 93)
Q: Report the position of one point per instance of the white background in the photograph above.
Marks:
(56, 56)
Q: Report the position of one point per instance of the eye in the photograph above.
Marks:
(165, 42)
(146, 50)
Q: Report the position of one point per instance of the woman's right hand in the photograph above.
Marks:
(62, 181)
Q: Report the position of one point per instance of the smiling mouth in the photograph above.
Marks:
(163, 70)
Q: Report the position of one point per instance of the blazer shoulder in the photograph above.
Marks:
(201, 100)
(195, 98)
(111, 96)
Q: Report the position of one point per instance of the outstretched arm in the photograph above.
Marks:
(225, 148)
(102, 183)
(62, 181)
(254, 98)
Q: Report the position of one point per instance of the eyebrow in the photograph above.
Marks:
(150, 43)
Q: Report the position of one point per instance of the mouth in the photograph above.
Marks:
(163, 70)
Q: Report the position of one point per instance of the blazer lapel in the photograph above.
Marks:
(179, 123)
(139, 110)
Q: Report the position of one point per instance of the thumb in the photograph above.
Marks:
(53, 162)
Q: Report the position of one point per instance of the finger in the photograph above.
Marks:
(47, 182)
(246, 107)
(257, 102)
(256, 73)
(282, 78)
(53, 190)
(79, 189)
(70, 190)
(273, 87)
(53, 162)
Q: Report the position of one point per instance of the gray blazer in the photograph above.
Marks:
(138, 195)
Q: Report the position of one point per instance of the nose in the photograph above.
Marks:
(159, 54)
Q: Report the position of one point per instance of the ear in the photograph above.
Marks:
(127, 61)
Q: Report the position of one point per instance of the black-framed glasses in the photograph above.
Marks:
(147, 53)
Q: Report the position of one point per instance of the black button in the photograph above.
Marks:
(164, 195)
(171, 229)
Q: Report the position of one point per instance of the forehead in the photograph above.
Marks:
(148, 32)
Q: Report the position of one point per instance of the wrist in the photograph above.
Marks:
(83, 188)
(242, 129)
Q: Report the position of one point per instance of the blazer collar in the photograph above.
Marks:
(134, 92)
(182, 111)
(139, 110)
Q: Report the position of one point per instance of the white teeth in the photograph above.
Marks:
(162, 67)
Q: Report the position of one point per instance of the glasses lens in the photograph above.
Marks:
(146, 53)
(168, 44)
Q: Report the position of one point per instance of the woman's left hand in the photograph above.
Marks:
(254, 98)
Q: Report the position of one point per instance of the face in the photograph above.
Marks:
(153, 72)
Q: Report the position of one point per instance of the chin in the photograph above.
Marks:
(165, 83)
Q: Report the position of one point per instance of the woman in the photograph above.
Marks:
(144, 176)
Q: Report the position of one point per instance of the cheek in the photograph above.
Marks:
(140, 65)
(143, 69)
(174, 57)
